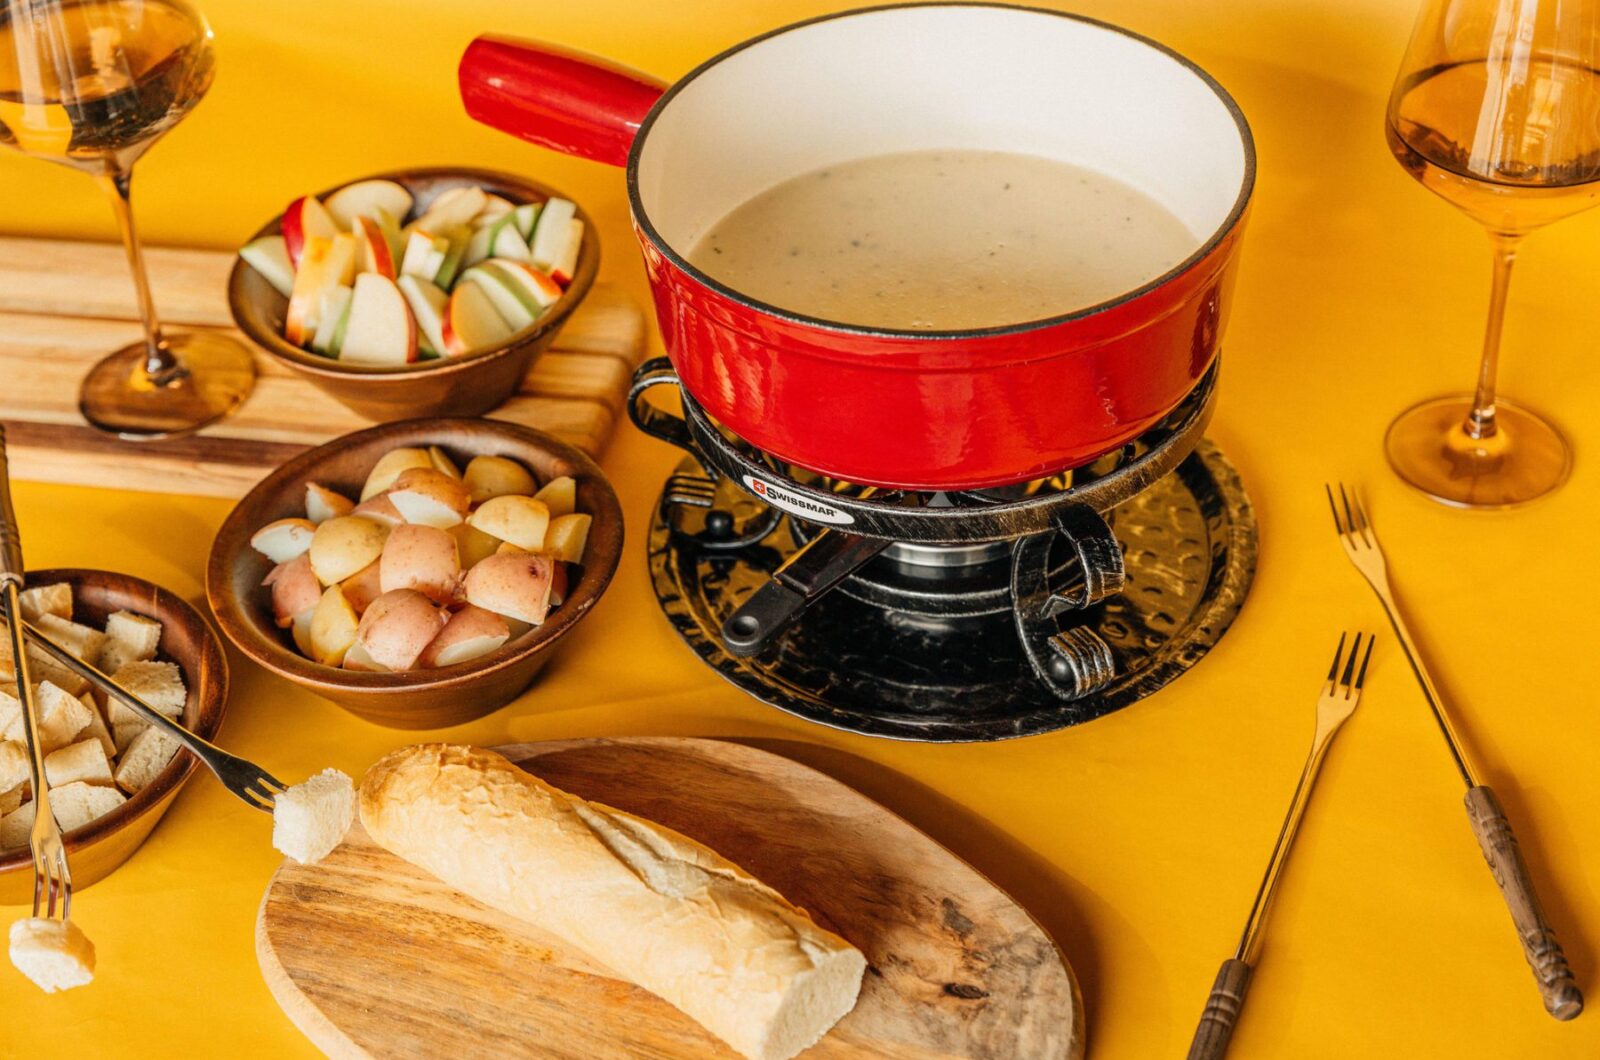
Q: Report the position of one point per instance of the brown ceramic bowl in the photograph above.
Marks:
(449, 386)
(187, 639)
(415, 699)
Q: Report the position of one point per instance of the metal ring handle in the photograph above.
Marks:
(657, 423)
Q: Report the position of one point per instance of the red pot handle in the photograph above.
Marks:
(555, 97)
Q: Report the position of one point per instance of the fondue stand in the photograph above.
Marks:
(950, 615)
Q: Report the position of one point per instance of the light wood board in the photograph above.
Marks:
(372, 957)
(64, 305)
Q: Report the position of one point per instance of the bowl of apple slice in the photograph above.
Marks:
(422, 292)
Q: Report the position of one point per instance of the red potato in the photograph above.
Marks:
(333, 628)
(397, 627)
(388, 468)
(429, 497)
(379, 509)
(343, 545)
(358, 660)
(364, 586)
(495, 476)
(514, 584)
(323, 504)
(283, 539)
(567, 536)
(423, 558)
(471, 633)
(473, 544)
(519, 520)
(295, 589)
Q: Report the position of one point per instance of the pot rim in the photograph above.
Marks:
(648, 230)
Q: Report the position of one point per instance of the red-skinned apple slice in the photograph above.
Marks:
(472, 322)
(566, 263)
(328, 263)
(541, 288)
(365, 198)
(550, 232)
(428, 305)
(375, 255)
(381, 329)
(458, 206)
(304, 220)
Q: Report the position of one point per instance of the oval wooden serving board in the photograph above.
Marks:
(370, 956)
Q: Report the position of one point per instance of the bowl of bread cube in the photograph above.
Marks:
(111, 775)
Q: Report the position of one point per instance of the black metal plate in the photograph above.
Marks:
(1189, 543)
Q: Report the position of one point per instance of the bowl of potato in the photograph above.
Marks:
(419, 574)
(422, 292)
(111, 775)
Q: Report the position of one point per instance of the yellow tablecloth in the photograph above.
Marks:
(1137, 839)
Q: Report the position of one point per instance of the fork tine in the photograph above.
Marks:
(1361, 513)
(1333, 507)
(1361, 678)
(1348, 677)
(1333, 671)
(1349, 517)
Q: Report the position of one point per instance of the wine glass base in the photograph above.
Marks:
(1429, 447)
(119, 397)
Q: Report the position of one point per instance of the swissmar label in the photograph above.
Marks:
(795, 504)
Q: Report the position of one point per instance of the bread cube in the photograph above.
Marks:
(13, 765)
(40, 667)
(47, 600)
(84, 761)
(55, 954)
(83, 641)
(61, 717)
(311, 818)
(97, 727)
(78, 803)
(159, 684)
(144, 759)
(126, 728)
(15, 826)
(9, 801)
(130, 638)
(10, 710)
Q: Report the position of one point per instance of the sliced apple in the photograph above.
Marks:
(479, 247)
(497, 476)
(430, 497)
(471, 633)
(333, 628)
(345, 544)
(550, 234)
(513, 584)
(333, 321)
(566, 264)
(388, 468)
(398, 626)
(424, 254)
(365, 585)
(423, 558)
(323, 504)
(504, 293)
(381, 329)
(472, 322)
(542, 289)
(507, 242)
(567, 535)
(428, 305)
(391, 235)
(365, 198)
(269, 256)
(306, 219)
(295, 590)
(454, 254)
(522, 521)
(494, 208)
(283, 539)
(375, 253)
(528, 218)
(328, 263)
(455, 207)
(560, 495)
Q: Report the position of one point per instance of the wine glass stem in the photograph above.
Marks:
(1480, 421)
(160, 365)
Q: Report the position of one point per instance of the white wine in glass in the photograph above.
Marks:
(1497, 111)
(93, 84)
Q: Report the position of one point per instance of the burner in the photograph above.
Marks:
(950, 616)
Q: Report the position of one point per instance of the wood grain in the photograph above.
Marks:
(372, 957)
(65, 305)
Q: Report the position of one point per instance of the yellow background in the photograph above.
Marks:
(1137, 839)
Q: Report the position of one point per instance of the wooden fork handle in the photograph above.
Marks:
(1562, 998)
(1221, 1012)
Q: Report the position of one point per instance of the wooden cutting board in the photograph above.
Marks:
(372, 957)
(64, 305)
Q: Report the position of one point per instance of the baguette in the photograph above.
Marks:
(653, 905)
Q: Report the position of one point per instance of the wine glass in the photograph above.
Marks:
(93, 84)
(1497, 111)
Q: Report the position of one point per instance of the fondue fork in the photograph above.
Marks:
(52, 876)
(1337, 701)
(1562, 998)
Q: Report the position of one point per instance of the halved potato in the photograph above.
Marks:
(473, 544)
(517, 519)
(442, 462)
(560, 495)
(397, 627)
(358, 659)
(333, 628)
(388, 468)
(470, 634)
(323, 504)
(567, 536)
(497, 476)
(365, 585)
(514, 584)
(429, 497)
(283, 539)
(345, 544)
(295, 589)
(423, 558)
(379, 509)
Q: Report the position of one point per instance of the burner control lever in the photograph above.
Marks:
(1073, 662)
(806, 576)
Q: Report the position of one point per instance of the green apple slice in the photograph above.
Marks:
(507, 241)
(428, 305)
(478, 247)
(527, 216)
(269, 256)
(450, 267)
(506, 294)
(536, 285)
(334, 311)
(424, 254)
(551, 234)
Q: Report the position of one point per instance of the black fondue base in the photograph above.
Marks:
(939, 670)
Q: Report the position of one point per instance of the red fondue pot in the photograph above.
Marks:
(922, 410)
